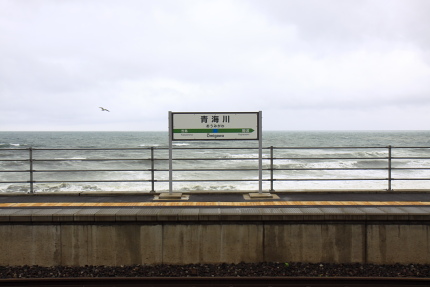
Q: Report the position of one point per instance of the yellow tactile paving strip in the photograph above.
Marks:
(216, 204)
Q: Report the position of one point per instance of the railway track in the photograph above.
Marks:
(221, 282)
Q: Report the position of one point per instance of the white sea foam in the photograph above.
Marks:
(71, 158)
(70, 161)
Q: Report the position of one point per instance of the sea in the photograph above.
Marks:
(139, 162)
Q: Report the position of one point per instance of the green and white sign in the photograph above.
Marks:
(215, 126)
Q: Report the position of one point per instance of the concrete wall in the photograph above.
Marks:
(125, 243)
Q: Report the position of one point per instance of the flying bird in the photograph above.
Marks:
(104, 110)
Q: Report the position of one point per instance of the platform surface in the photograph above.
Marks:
(214, 199)
(215, 207)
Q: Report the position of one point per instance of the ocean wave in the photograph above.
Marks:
(243, 155)
(8, 145)
(15, 188)
(181, 144)
(63, 161)
(71, 158)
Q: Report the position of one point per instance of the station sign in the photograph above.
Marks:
(215, 126)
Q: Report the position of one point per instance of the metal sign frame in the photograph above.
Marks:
(211, 126)
(209, 131)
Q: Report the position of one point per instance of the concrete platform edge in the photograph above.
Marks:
(155, 215)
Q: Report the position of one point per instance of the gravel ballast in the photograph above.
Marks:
(271, 269)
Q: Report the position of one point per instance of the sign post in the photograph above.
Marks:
(202, 126)
(260, 155)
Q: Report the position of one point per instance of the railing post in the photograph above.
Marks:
(389, 168)
(170, 153)
(271, 168)
(152, 170)
(260, 152)
(31, 169)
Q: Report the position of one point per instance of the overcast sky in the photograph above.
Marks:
(307, 65)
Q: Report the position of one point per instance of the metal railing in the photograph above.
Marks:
(32, 166)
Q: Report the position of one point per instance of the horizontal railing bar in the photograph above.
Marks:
(255, 180)
(223, 159)
(200, 148)
(410, 178)
(145, 180)
(93, 159)
(74, 181)
(278, 158)
(224, 180)
(221, 148)
(329, 179)
(245, 158)
(95, 149)
(214, 169)
(333, 147)
(107, 170)
(395, 157)
(332, 168)
(268, 180)
(214, 148)
(212, 159)
(229, 148)
(148, 180)
(142, 148)
(403, 147)
(410, 168)
(275, 169)
(310, 158)
(216, 180)
(85, 170)
(197, 170)
(202, 158)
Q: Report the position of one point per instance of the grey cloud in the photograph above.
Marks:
(63, 59)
